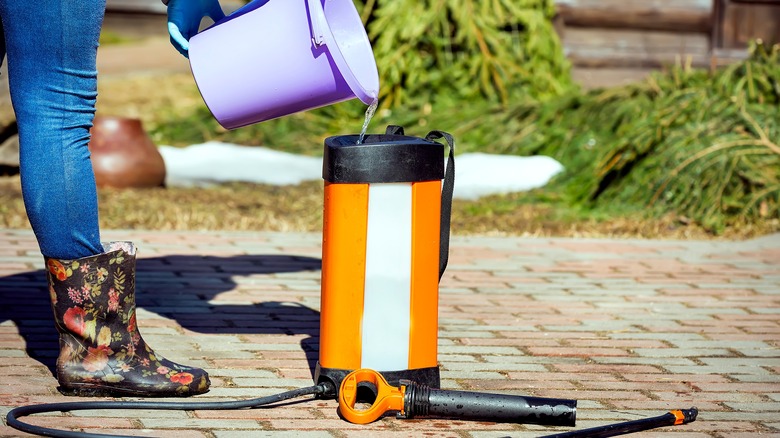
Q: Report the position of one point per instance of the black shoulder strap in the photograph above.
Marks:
(446, 198)
(394, 130)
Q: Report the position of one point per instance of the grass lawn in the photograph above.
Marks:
(158, 100)
(240, 206)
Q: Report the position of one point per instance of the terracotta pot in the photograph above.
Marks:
(123, 154)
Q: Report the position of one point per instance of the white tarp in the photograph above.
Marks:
(476, 174)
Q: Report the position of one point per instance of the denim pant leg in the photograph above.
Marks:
(51, 48)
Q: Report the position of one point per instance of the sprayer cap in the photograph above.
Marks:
(382, 159)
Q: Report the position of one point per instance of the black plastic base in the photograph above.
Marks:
(424, 376)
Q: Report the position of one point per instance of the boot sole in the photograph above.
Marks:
(101, 391)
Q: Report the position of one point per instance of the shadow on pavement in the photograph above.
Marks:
(179, 287)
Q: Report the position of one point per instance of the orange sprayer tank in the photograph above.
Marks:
(383, 251)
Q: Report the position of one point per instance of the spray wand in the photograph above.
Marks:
(411, 400)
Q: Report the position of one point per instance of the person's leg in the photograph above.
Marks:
(51, 49)
(2, 41)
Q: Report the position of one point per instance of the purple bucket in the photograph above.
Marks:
(273, 58)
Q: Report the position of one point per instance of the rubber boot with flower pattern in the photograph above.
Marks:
(101, 349)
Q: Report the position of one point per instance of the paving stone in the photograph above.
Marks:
(628, 328)
(270, 434)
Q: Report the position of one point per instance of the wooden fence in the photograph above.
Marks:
(652, 33)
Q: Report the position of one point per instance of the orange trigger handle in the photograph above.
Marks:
(388, 398)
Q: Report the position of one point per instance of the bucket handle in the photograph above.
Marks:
(446, 192)
(322, 35)
(318, 22)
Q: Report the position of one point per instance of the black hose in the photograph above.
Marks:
(22, 411)
(672, 418)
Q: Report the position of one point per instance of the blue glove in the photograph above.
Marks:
(184, 18)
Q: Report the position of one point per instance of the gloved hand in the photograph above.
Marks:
(184, 18)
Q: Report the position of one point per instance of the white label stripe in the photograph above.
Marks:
(387, 301)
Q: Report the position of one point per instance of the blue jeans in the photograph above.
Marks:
(51, 47)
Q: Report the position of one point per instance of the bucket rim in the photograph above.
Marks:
(362, 91)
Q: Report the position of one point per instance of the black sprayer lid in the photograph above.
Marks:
(382, 159)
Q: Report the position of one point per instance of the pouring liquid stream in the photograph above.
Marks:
(369, 114)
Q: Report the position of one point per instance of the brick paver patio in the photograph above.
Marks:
(629, 328)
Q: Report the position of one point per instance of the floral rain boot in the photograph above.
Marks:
(101, 350)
